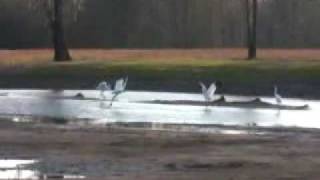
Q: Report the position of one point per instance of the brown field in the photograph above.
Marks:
(12, 57)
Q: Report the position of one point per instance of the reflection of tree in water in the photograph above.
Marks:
(53, 107)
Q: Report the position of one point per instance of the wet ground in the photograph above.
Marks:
(121, 153)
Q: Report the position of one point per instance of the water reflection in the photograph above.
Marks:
(28, 102)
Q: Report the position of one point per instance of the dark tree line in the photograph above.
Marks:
(167, 24)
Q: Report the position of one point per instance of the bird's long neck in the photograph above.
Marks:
(275, 90)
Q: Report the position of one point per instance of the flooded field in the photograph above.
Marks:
(64, 135)
(130, 109)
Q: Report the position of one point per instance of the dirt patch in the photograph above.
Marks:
(18, 56)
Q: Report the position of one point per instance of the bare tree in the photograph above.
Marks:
(56, 12)
(251, 11)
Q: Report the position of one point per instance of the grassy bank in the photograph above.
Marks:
(171, 71)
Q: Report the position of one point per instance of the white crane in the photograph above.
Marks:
(119, 88)
(208, 93)
(277, 96)
(102, 87)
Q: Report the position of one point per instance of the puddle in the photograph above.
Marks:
(17, 169)
(9, 164)
(24, 169)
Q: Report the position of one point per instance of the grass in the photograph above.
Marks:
(227, 70)
(172, 70)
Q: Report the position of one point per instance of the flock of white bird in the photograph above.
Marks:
(208, 93)
(119, 88)
(121, 84)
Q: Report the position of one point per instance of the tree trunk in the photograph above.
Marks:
(251, 8)
(61, 52)
(248, 25)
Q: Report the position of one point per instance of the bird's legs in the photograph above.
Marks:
(114, 98)
(102, 96)
(207, 104)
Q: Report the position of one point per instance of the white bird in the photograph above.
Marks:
(208, 93)
(102, 87)
(277, 96)
(120, 85)
(119, 88)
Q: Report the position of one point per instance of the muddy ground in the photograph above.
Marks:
(112, 153)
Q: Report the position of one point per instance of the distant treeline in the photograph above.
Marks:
(166, 24)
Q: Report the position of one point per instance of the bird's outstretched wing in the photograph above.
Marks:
(119, 85)
(103, 86)
(278, 99)
(125, 82)
(204, 91)
(212, 90)
(277, 95)
(203, 87)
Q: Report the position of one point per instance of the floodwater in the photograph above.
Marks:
(128, 109)
(23, 169)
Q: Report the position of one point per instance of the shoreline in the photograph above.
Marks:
(74, 123)
(309, 92)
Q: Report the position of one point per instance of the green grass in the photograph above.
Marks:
(238, 76)
(227, 70)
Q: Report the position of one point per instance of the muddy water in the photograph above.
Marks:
(127, 109)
